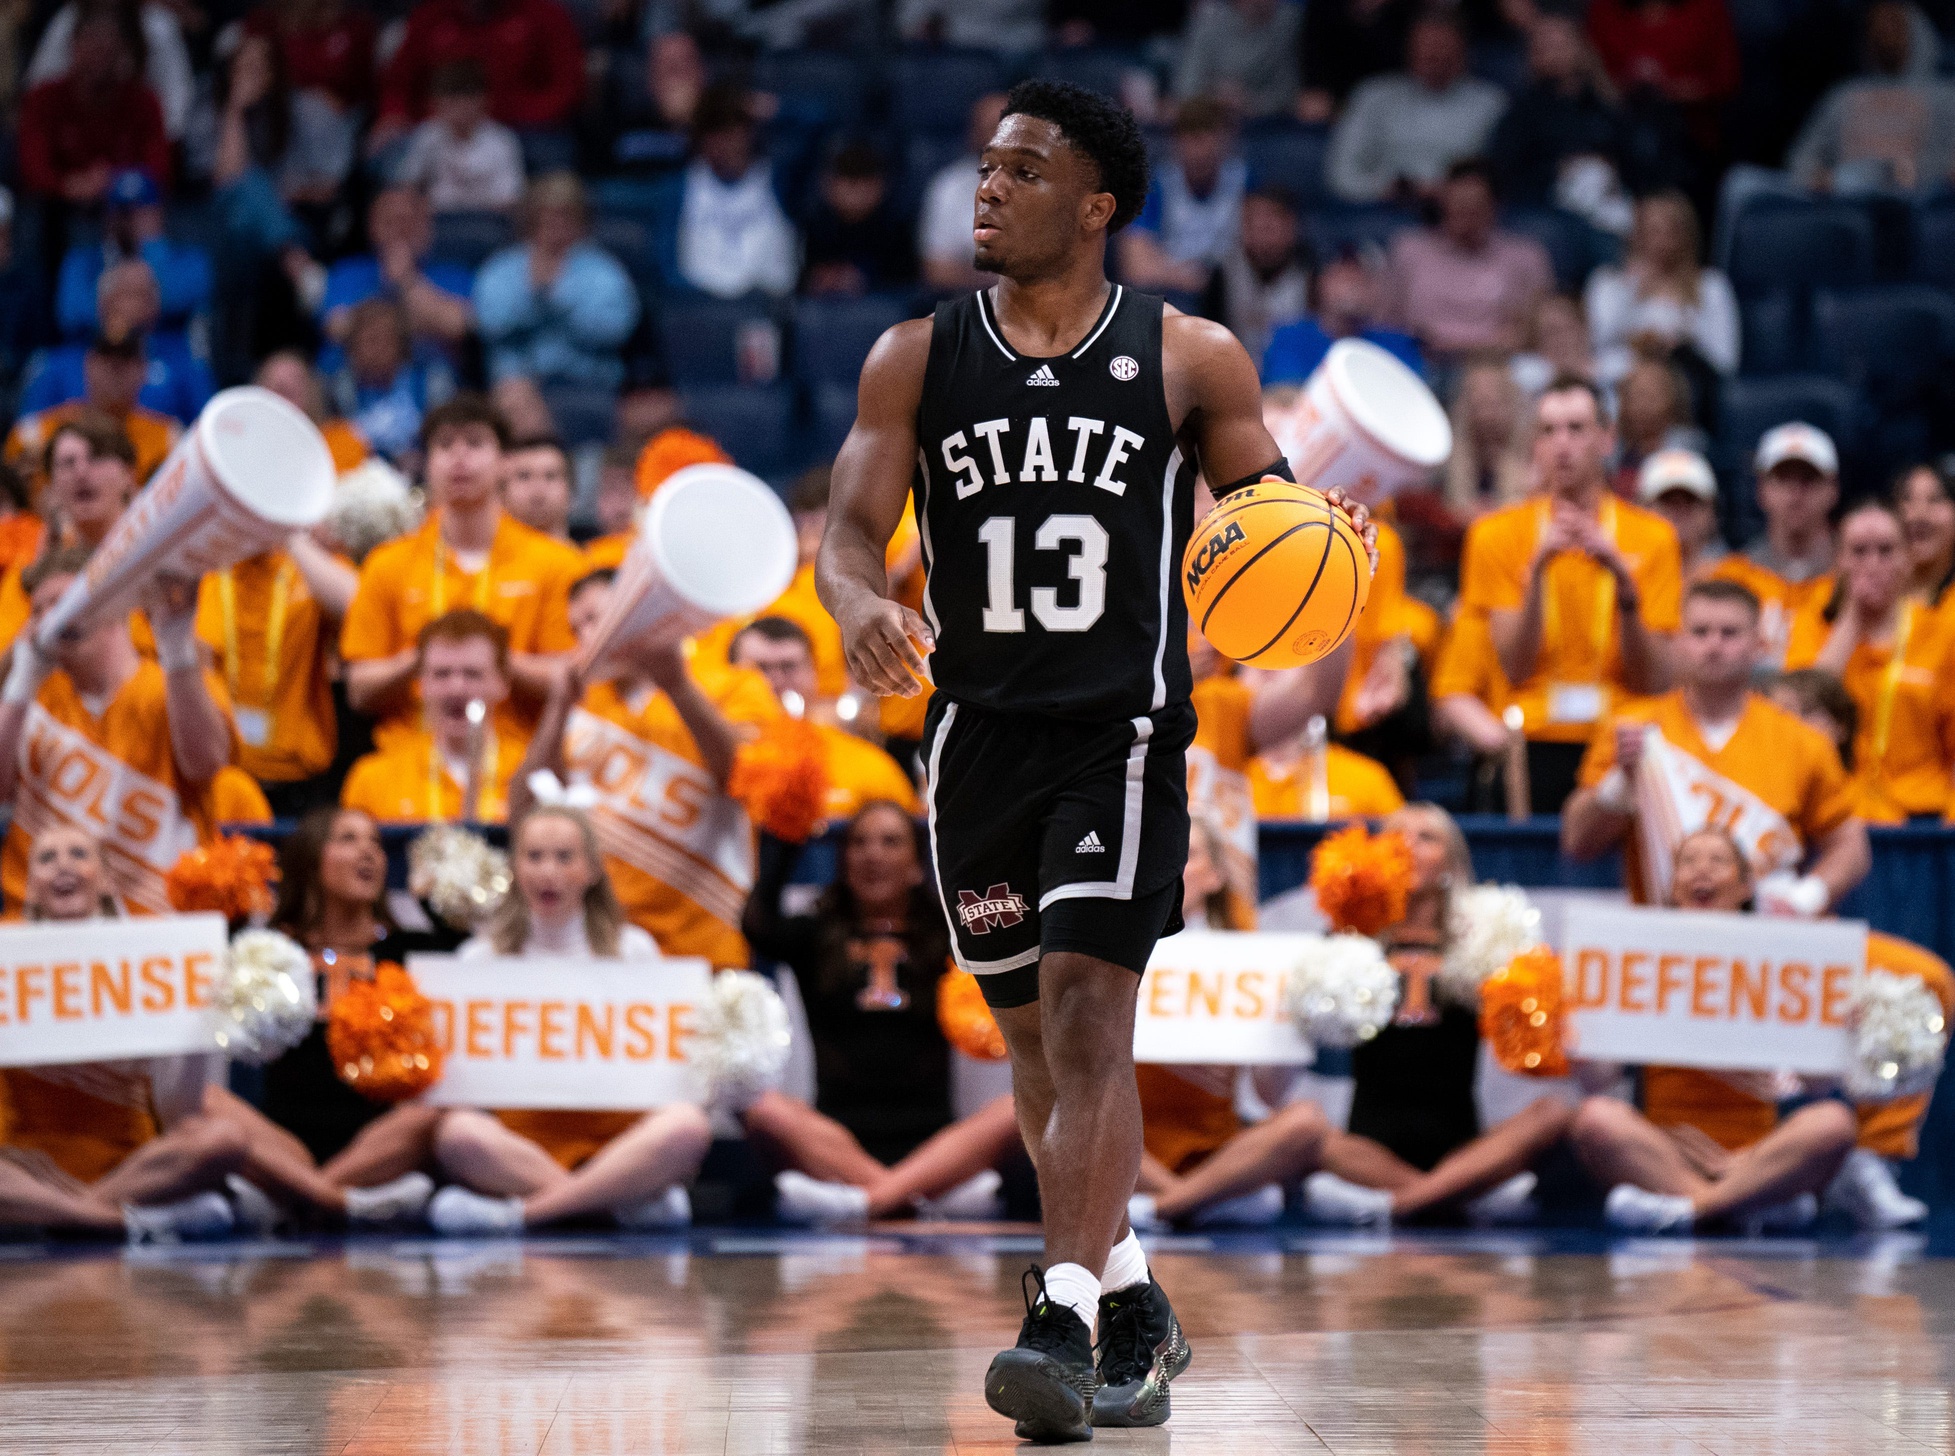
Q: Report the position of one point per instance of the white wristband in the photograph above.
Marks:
(1613, 792)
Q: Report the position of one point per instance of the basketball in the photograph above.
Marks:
(1276, 576)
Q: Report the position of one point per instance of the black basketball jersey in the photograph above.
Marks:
(1054, 504)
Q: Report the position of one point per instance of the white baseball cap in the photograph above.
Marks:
(1797, 441)
(1669, 470)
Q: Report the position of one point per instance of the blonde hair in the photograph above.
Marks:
(1686, 276)
(554, 189)
(1220, 905)
(603, 917)
(1512, 471)
(1459, 858)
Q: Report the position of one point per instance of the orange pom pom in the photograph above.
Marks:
(380, 1035)
(1362, 879)
(782, 779)
(672, 450)
(1522, 1015)
(967, 1022)
(232, 875)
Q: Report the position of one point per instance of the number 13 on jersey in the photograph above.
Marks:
(1085, 542)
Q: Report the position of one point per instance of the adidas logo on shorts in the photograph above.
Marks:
(1090, 844)
(1044, 375)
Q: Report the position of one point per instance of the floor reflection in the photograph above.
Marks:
(1430, 1347)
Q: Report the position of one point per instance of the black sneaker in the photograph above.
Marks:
(1045, 1382)
(1141, 1349)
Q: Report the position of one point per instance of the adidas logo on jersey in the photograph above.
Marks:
(1090, 844)
(1044, 375)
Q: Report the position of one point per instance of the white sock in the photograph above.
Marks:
(1073, 1286)
(1126, 1266)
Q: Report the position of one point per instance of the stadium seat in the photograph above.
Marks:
(630, 242)
(583, 412)
(1359, 227)
(1782, 245)
(828, 82)
(1934, 243)
(925, 154)
(932, 90)
(1887, 340)
(754, 423)
(832, 336)
(1568, 241)
(468, 238)
(701, 337)
(1285, 154)
(1096, 69)
(1774, 335)
(834, 416)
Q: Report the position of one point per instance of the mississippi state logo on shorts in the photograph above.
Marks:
(998, 907)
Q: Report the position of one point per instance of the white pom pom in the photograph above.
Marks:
(1487, 926)
(1899, 1035)
(744, 1038)
(1342, 991)
(458, 873)
(266, 999)
(372, 503)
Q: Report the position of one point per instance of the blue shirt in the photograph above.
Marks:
(389, 417)
(1295, 350)
(355, 280)
(183, 278)
(178, 383)
(572, 331)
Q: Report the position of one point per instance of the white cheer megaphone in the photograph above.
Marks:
(714, 543)
(249, 473)
(1364, 423)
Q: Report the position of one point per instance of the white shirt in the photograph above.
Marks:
(733, 236)
(569, 939)
(1616, 315)
(943, 228)
(483, 173)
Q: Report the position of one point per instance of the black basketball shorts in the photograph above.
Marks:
(1050, 835)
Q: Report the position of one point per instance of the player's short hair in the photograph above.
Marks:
(62, 561)
(464, 624)
(774, 629)
(1566, 383)
(461, 412)
(1101, 130)
(100, 432)
(1719, 589)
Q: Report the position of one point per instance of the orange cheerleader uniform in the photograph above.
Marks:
(80, 1121)
(1184, 1121)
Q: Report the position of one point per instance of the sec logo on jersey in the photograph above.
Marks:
(1123, 367)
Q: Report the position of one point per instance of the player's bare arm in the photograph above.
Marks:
(871, 485)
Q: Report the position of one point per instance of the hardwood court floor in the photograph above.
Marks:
(750, 1343)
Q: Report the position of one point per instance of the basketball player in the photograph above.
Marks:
(1053, 426)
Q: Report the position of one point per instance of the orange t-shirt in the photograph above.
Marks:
(1468, 666)
(1790, 765)
(113, 775)
(345, 444)
(1780, 600)
(408, 781)
(1906, 738)
(1734, 1118)
(607, 553)
(1354, 787)
(1578, 674)
(233, 797)
(21, 535)
(153, 435)
(270, 640)
(1389, 613)
(407, 583)
(82, 1118)
(858, 773)
(680, 853)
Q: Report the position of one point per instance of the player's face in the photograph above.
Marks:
(1038, 199)
(1709, 875)
(551, 870)
(352, 865)
(879, 857)
(536, 489)
(455, 674)
(464, 465)
(1719, 644)
(64, 875)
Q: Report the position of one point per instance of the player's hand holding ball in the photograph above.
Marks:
(884, 643)
(1277, 574)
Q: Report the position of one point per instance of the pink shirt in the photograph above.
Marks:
(1456, 301)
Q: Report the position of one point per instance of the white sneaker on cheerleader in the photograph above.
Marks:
(1866, 1192)
(801, 1199)
(1782, 1218)
(1142, 1214)
(672, 1209)
(401, 1199)
(253, 1212)
(1506, 1203)
(1258, 1208)
(459, 1213)
(974, 1200)
(201, 1216)
(1330, 1199)
(1637, 1210)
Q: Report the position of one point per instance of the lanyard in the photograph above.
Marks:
(1605, 597)
(1890, 682)
(485, 761)
(227, 599)
(480, 580)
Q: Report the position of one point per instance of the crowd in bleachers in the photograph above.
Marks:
(1678, 270)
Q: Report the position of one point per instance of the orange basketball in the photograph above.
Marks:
(1276, 576)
